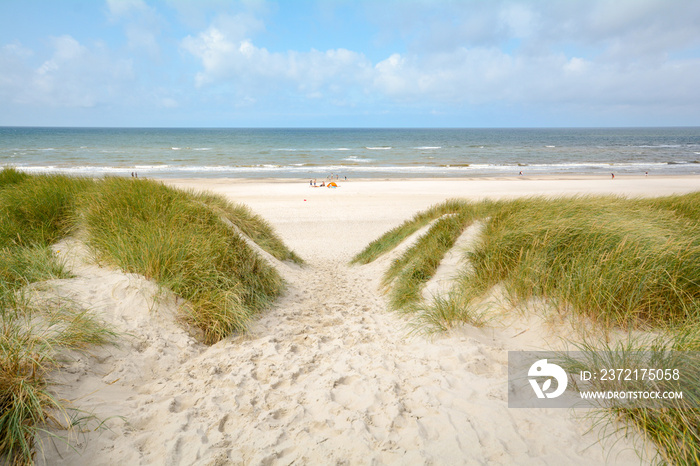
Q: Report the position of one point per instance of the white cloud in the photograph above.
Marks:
(475, 68)
(74, 76)
(122, 8)
(228, 59)
(518, 20)
(17, 49)
(142, 24)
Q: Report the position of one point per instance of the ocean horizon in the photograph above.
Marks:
(350, 152)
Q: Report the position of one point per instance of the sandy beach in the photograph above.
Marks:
(327, 375)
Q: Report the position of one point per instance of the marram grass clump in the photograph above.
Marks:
(35, 212)
(179, 241)
(624, 263)
(619, 261)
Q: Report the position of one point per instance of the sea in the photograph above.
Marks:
(350, 152)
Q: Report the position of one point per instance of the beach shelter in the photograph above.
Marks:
(332, 184)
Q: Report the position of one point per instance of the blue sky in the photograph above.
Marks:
(340, 63)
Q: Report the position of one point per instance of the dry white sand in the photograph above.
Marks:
(327, 376)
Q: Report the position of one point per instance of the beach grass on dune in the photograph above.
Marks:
(34, 213)
(394, 237)
(622, 263)
(10, 176)
(252, 225)
(164, 234)
(616, 260)
(179, 239)
(38, 210)
(408, 274)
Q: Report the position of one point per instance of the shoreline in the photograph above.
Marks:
(451, 178)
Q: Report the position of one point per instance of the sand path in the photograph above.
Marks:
(325, 377)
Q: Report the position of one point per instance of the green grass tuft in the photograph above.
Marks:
(409, 273)
(35, 211)
(10, 176)
(393, 238)
(31, 338)
(252, 225)
(38, 210)
(619, 261)
(172, 237)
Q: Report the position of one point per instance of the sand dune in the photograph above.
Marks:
(325, 376)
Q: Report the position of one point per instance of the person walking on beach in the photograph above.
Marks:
(613, 176)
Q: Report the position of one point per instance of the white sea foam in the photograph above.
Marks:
(428, 147)
(300, 167)
(354, 158)
(315, 149)
(378, 148)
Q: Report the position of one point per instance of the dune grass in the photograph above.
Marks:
(619, 261)
(164, 234)
(409, 273)
(31, 340)
(616, 261)
(623, 263)
(37, 210)
(34, 213)
(252, 225)
(394, 237)
(179, 239)
(10, 176)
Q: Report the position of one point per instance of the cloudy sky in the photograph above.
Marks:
(374, 63)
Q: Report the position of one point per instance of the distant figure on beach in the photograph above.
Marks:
(646, 173)
(613, 176)
(521, 173)
(311, 182)
(323, 184)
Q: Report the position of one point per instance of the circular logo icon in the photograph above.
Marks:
(541, 369)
